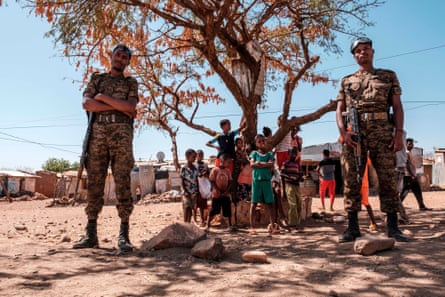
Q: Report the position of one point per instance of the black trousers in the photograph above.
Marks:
(412, 184)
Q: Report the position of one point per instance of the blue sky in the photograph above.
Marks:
(41, 115)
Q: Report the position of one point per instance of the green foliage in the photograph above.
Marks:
(57, 165)
(75, 165)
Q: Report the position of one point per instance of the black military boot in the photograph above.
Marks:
(393, 228)
(124, 241)
(90, 239)
(353, 230)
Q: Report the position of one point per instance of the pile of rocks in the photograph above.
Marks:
(170, 196)
(186, 235)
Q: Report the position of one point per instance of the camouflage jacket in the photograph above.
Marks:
(370, 92)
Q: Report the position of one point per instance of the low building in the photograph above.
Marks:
(18, 181)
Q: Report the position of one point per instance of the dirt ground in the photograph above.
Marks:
(36, 258)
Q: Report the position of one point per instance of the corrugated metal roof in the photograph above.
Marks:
(14, 173)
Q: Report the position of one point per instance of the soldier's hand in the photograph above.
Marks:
(397, 142)
(349, 137)
(99, 97)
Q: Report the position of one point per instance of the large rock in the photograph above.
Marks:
(176, 235)
(255, 257)
(368, 245)
(210, 249)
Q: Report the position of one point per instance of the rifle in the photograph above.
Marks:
(353, 125)
(83, 157)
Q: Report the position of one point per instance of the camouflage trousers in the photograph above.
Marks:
(376, 136)
(110, 145)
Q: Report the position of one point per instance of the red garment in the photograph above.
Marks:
(221, 177)
(327, 185)
(365, 184)
(230, 165)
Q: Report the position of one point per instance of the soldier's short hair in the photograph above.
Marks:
(124, 48)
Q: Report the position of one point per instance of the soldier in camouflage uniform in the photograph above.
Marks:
(111, 98)
(372, 92)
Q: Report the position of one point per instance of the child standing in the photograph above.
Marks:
(204, 187)
(242, 175)
(189, 180)
(221, 177)
(291, 173)
(262, 163)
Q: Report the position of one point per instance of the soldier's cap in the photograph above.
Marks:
(360, 40)
(124, 48)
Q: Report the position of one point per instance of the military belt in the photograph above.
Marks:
(370, 116)
(112, 119)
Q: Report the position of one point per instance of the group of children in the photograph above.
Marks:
(240, 174)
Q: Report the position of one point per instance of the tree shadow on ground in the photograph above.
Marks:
(308, 261)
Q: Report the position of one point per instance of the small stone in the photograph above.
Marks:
(255, 257)
(52, 251)
(338, 219)
(20, 227)
(211, 249)
(368, 245)
(65, 238)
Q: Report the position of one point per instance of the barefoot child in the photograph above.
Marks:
(189, 179)
(262, 163)
(204, 187)
(221, 177)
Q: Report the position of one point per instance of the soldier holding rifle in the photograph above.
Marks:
(366, 97)
(111, 98)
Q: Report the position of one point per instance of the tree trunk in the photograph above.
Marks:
(175, 151)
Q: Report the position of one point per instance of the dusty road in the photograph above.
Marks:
(36, 258)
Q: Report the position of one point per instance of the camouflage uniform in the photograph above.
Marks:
(371, 94)
(111, 143)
